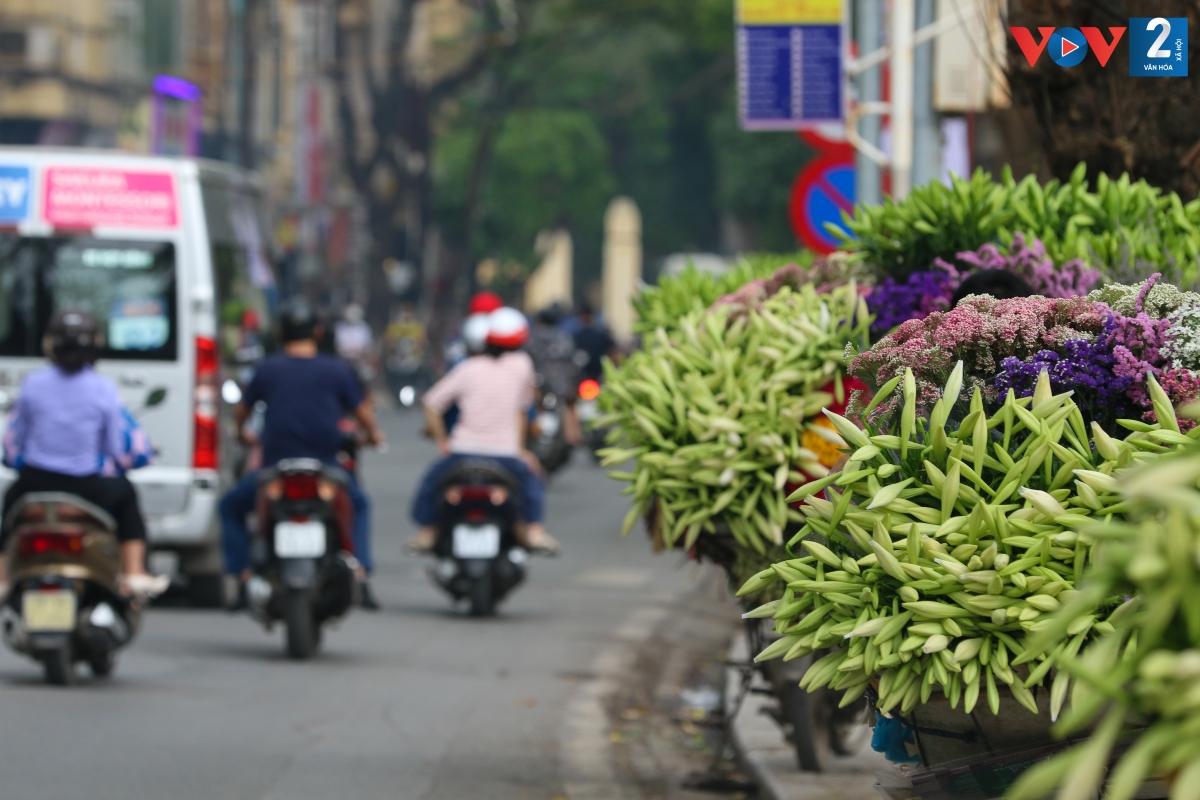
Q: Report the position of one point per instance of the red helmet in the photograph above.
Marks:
(484, 303)
(508, 329)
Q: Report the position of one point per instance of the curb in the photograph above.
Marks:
(585, 768)
(770, 762)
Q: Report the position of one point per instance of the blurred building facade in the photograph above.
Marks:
(70, 72)
(79, 73)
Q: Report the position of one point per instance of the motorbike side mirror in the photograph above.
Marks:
(156, 397)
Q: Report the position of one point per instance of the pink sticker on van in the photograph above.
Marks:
(84, 197)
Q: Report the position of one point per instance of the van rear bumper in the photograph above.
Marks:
(180, 504)
(194, 525)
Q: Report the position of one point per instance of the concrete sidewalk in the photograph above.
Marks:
(770, 761)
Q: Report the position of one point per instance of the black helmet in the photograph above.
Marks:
(551, 314)
(297, 321)
(73, 339)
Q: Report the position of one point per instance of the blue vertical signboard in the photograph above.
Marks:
(15, 187)
(790, 73)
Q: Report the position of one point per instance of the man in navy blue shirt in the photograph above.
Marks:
(306, 394)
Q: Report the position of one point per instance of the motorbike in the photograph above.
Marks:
(478, 557)
(302, 555)
(547, 439)
(406, 372)
(65, 604)
(588, 409)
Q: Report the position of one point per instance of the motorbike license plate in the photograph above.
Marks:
(49, 611)
(476, 541)
(548, 424)
(588, 410)
(300, 539)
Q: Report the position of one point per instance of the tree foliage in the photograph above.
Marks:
(642, 94)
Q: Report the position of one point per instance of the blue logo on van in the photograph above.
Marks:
(14, 193)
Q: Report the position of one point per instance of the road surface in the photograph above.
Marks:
(415, 701)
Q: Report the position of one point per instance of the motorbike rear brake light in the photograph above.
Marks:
(589, 390)
(477, 493)
(475, 515)
(36, 543)
(300, 487)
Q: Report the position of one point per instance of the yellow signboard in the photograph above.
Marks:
(789, 12)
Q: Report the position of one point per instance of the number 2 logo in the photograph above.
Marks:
(1158, 47)
(1164, 28)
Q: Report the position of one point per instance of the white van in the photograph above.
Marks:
(170, 255)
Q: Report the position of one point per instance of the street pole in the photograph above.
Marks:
(903, 19)
(927, 144)
(867, 18)
(249, 78)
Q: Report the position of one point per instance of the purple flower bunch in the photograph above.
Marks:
(895, 302)
(1030, 261)
(1137, 343)
(924, 292)
(1108, 371)
(1102, 347)
(1084, 366)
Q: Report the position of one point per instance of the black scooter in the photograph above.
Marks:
(547, 438)
(302, 556)
(478, 557)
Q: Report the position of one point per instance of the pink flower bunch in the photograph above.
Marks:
(981, 332)
(752, 295)
(825, 274)
(1182, 386)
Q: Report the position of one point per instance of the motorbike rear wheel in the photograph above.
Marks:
(302, 635)
(59, 665)
(482, 596)
(101, 664)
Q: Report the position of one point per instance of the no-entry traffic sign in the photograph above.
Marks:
(821, 192)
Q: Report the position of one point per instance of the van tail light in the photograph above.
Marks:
(36, 543)
(204, 405)
(300, 487)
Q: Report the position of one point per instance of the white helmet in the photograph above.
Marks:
(507, 328)
(475, 332)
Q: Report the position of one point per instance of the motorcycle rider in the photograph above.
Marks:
(553, 353)
(67, 433)
(306, 393)
(493, 392)
(595, 342)
(352, 334)
(472, 341)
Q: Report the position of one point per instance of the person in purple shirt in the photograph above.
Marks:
(67, 426)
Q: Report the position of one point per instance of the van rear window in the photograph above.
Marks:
(128, 285)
